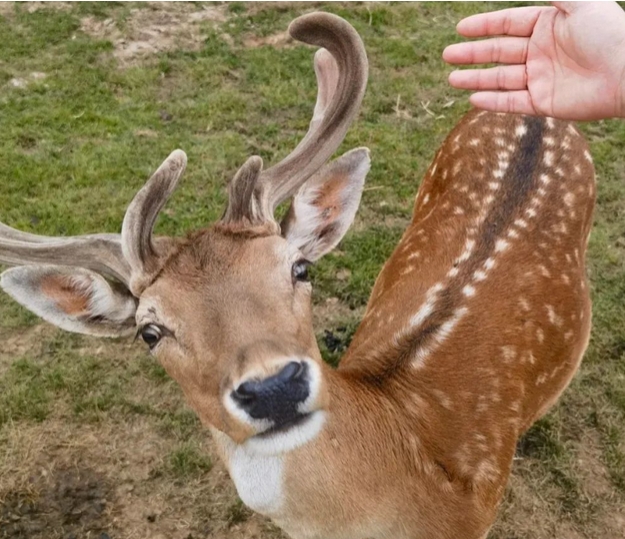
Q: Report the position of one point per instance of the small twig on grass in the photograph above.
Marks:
(425, 106)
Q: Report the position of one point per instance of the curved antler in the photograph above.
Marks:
(137, 244)
(124, 257)
(98, 252)
(341, 68)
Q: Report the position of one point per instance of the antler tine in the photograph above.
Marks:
(99, 252)
(348, 74)
(137, 244)
(327, 73)
(341, 67)
(125, 257)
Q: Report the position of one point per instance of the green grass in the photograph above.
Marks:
(78, 143)
(188, 460)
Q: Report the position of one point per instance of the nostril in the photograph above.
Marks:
(277, 397)
(246, 392)
(292, 371)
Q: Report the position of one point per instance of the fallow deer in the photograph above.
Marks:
(476, 324)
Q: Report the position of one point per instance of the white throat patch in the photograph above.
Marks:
(258, 478)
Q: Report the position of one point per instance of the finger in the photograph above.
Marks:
(518, 21)
(500, 50)
(568, 7)
(518, 102)
(494, 78)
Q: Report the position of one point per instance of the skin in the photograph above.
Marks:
(565, 61)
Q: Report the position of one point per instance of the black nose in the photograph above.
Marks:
(275, 398)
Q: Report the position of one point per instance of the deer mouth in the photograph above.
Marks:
(301, 419)
(289, 435)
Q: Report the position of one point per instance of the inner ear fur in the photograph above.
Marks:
(325, 206)
(74, 299)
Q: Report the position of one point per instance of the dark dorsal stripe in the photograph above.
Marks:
(517, 186)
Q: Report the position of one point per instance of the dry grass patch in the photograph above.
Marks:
(127, 479)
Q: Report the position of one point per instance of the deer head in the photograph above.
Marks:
(227, 309)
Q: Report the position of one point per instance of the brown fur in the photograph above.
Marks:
(423, 419)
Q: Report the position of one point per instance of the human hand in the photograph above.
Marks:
(566, 61)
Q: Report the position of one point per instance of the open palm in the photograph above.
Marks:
(566, 61)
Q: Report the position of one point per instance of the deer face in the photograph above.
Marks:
(229, 316)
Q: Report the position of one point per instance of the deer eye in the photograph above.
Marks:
(151, 334)
(299, 271)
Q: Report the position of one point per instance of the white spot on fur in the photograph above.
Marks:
(521, 223)
(469, 244)
(544, 178)
(501, 245)
(442, 398)
(468, 291)
(553, 317)
(442, 334)
(479, 275)
(520, 130)
(508, 352)
(447, 327)
(540, 335)
(427, 308)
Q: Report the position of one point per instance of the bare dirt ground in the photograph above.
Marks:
(165, 26)
(111, 478)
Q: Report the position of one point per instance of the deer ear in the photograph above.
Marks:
(74, 299)
(324, 208)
